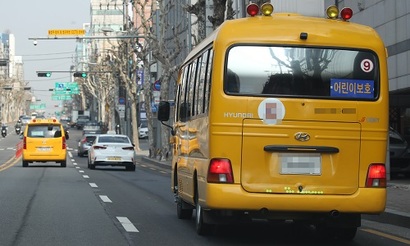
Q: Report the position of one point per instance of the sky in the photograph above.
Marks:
(30, 19)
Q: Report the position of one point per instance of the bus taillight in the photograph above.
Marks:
(220, 171)
(376, 176)
(24, 142)
(252, 9)
(64, 143)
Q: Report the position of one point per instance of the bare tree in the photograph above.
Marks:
(125, 66)
(101, 86)
(157, 43)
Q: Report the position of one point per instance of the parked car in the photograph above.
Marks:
(399, 151)
(85, 143)
(112, 150)
(143, 130)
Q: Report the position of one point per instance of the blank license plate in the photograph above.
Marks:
(300, 163)
(114, 158)
(44, 149)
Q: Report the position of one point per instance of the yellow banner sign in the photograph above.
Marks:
(66, 32)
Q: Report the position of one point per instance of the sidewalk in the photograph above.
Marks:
(398, 191)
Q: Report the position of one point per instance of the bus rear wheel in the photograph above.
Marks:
(202, 228)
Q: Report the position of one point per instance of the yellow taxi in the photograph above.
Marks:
(44, 140)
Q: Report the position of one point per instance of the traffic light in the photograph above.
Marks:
(44, 74)
(80, 74)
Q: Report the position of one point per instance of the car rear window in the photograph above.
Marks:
(113, 139)
(90, 138)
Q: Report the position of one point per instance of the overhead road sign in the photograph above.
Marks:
(66, 32)
(60, 97)
(66, 88)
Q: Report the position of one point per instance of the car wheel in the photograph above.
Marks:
(79, 154)
(25, 163)
(90, 166)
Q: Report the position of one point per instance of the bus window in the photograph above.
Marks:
(295, 71)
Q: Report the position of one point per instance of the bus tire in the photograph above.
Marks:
(25, 163)
(202, 228)
(63, 163)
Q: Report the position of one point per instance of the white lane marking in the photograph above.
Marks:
(75, 163)
(105, 198)
(73, 160)
(94, 185)
(78, 167)
(81, 171)
(86, 176)
(71, 155)
(126, 223)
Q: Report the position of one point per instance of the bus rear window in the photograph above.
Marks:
(302, 72)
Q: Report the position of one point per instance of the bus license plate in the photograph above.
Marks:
(300, 163)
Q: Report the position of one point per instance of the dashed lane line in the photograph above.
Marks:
(105, 198)
(127, 224)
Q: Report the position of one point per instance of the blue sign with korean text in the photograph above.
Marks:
(352, 88)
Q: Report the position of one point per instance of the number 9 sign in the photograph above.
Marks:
(367, 65)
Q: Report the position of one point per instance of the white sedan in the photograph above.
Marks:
(112, 150)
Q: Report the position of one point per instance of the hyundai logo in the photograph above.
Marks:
(302, 136)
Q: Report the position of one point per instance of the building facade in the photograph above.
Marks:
(12, 94)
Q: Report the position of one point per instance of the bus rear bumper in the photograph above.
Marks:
(233, 197)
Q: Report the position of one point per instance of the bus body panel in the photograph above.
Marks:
(365, 200)
(274, 161)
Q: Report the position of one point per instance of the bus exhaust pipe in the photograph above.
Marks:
(334, 213)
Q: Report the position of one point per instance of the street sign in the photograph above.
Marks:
(157, 85)
(63, 88)
(66, 32)
(60, 97)
(38, 106)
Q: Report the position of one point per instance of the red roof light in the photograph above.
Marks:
(346, 13)
(252, 9)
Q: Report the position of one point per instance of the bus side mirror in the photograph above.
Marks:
(164, 109)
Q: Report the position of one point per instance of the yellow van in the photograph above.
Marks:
(44, 140)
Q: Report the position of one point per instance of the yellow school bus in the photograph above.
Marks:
(280, 116)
